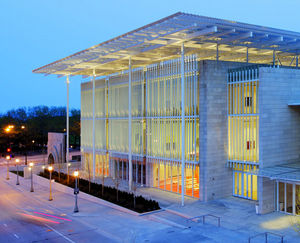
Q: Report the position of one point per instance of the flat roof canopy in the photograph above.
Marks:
(288, 172)
(162, 40)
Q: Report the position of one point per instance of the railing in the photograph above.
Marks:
(203, 218)
(266, 236)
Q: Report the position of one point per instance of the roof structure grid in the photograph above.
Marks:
(162, 40)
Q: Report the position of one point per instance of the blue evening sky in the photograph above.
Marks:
(36, 32)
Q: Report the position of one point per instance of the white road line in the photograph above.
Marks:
(5, 225)
(16, 236)
(65, 237)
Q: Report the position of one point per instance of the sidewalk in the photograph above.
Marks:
(236, 214)
(238, 218)
(114, 224)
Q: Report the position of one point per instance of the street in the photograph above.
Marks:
(30, 217)
(25, 219)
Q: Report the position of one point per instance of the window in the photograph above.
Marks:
(248, 101)
(250, 145)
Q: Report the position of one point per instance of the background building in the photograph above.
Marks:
(194, 105)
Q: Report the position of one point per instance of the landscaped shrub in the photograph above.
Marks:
(110, 193)
(21, 173)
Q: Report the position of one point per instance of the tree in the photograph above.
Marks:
(134, 187)
(37, 122)
(117, 181)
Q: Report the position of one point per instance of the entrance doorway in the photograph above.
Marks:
(288, 197)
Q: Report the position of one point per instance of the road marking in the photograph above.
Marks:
(5, 225)
(16, 236)
(65, 237)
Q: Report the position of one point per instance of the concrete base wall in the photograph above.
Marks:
(279, 124)
(215, 177)
(266, 195)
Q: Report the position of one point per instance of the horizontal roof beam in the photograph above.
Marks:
(236, 38)
(206, 31)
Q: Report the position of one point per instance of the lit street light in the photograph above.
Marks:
(76, 191)
(17, 162)
(50, 168)
(31, 168)
(7, 160)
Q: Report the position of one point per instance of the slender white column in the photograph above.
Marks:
(67, 145)
(294, 199)
(182, 127)
(94, 74)
(217, 53)
(277, 196)
(129, 127)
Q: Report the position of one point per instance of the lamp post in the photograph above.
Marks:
(17, 162)
(50, 168)
(30, 168)
(76, 191)
(7, 160)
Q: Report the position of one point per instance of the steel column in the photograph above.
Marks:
(294, 199)
(247, 55)
(94, 135)
(297, 60)
(274, 56)
(68, 132)
(182, 127)
(277, 196)
(129, 127)
(217, 54)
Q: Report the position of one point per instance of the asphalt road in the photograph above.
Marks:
(25, 219)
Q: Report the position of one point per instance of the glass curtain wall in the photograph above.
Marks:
(118, 124)
(288, 197)
(156, 125)
(243, 121)
(101, 161)
(163, 89)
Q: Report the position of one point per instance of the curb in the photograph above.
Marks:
(178, 213)
(82, 195)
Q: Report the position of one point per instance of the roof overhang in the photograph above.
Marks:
(285, 172)
(162, 39)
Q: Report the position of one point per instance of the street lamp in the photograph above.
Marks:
(50, 168)
(17, 162)
(30, 168)
(7, 160)
(76, 191)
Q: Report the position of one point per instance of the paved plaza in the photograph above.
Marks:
(99, 223)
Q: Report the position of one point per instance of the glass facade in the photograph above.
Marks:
(243, 130)
(156, 137)
(164, 134)
(288, 197)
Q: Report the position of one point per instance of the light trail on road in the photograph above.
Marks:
(53, 216)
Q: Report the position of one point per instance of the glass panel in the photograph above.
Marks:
(281, 197)
(297, 203)
(254, 187)
(289, 198)
(249, 177)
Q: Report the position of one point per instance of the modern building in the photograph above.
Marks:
(198, 106)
